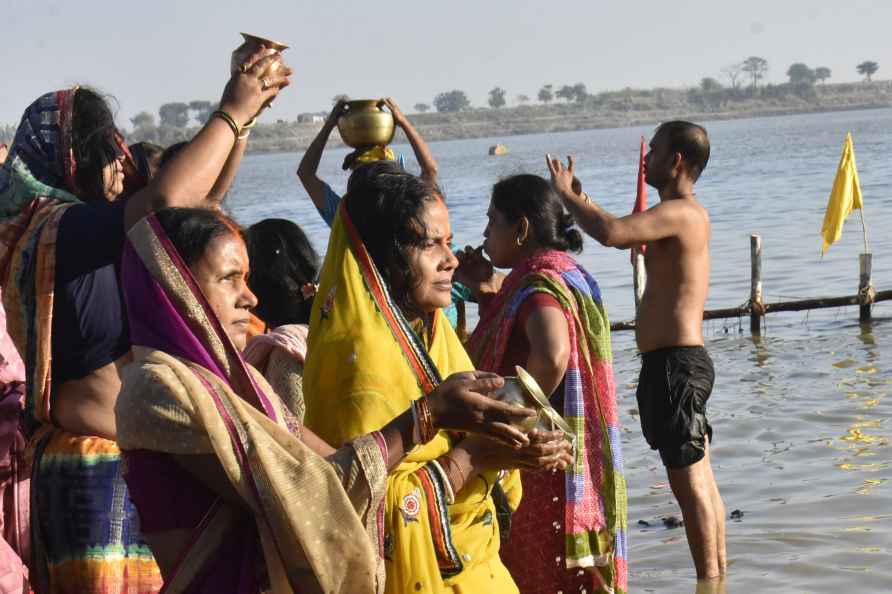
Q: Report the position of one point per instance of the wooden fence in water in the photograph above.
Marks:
(756, 309)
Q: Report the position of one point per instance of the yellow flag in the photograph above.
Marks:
(845, 196)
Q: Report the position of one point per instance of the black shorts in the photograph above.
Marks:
(673, 388)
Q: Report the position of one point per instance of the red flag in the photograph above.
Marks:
(641, 196)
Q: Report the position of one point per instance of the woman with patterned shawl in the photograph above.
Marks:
(379, 340)
(235, 496)
(569, 533)
(66, 199)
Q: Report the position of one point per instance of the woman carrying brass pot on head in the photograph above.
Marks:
(322, 195)
(327, 200)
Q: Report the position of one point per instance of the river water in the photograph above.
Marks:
(801, 415)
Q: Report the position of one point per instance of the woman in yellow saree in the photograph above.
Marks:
(379, 340)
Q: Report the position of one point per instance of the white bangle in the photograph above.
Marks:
(447, 484)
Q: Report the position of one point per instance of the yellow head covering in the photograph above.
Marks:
(369, 155)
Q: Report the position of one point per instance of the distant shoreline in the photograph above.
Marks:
(623, 109)
(466, 134)
(614, 109)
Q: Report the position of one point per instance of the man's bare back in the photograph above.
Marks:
(671, 310)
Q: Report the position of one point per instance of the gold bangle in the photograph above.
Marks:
(251, 123)
(424, 429)
(244, 135)
(236, 131)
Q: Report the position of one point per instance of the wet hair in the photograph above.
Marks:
(191, 230)
(172, 151)
(531, 196)
(691, 141)
(282, 262)
(147, 156)
(386, 204)
(93, 142)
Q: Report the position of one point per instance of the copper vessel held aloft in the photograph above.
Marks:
(251, 44)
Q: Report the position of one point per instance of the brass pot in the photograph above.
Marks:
(524, 390)
(365, 124)
(252, 44)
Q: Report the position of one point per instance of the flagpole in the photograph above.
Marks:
(864, 230)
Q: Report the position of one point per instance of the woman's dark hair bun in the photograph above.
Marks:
(570, 233)
(533, 197)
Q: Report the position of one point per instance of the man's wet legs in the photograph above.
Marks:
(701, 505)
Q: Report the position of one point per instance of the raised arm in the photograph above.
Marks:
(190, 176)
(666, 219)
(419, 146)
(230, 168)
(308, 169)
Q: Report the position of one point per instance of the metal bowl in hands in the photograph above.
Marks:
(524, 390)
(365, 124)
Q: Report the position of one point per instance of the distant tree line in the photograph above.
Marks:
(745, 80)
(173, 121)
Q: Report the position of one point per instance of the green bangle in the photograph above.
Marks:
(229, 120)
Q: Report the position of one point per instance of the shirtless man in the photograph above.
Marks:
(676, 372)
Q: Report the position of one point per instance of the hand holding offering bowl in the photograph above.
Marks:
(251, 44)
(462, 402)
(524, 390)
(274, 72)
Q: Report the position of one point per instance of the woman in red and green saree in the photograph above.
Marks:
(234, 494)
(569, 533)
(379, 341)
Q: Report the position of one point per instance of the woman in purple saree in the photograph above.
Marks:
(233, 494)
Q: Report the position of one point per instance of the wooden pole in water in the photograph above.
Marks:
(865, 264)
(756, 307)
(640, 275)
(865, 286)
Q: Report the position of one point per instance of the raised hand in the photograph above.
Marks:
(474, 268)
(460, 403)
(398, 116)
(564, 179)
(252, 86)
(340, 107)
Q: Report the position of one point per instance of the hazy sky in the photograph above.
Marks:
(149, 53)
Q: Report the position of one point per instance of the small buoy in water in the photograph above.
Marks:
(498, 149)
(737, 515)
(644, 523)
